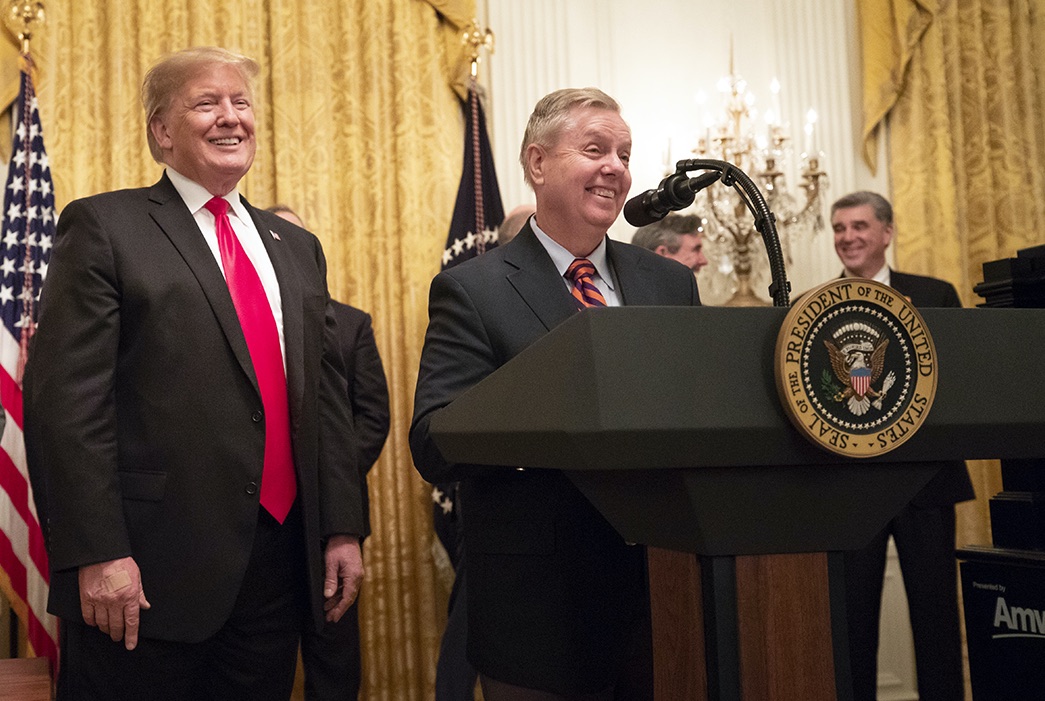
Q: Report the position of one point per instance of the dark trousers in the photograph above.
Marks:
(925, 543)
(454, 675)
(252, 657)
(331, 658)
(455, 678)
(634, 683)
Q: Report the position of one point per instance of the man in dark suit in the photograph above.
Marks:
(924, 531)
(331, 655)
(188, 431)
(557, 601)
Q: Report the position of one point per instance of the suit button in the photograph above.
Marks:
(257, 416)
(252, 488)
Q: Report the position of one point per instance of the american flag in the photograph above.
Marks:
(478, 211)
(28, 233)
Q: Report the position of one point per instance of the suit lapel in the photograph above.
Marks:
(173, 217)
(533, 275)
(632, 275)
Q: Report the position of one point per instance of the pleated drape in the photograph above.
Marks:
(960, 86)
(360, 131)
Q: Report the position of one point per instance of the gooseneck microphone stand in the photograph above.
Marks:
(765, 221)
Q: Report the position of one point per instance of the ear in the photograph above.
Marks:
(888, 235)
(535, 157)
(160, 133)
(662, 250)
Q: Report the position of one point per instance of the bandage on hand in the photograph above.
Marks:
(116, 581)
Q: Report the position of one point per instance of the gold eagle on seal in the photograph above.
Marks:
(857, 365)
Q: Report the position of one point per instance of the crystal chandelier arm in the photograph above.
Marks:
(765, 222)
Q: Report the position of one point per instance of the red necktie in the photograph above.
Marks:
(278, 485)
(584, 291)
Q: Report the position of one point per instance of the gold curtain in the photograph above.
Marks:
(958, 84)
(360, 131)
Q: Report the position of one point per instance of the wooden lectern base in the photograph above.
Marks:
(776, 644)
(25, 679)
(679, 671)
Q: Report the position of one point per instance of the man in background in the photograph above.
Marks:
(187, 429)
(676, 236)
(558, 605)
(513, 223)
(924, 532)
(331, 656)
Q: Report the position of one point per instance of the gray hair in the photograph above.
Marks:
(666, 232)
(171, 72)
(883, 211)
(551, 113)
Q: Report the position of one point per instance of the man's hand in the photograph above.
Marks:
(111, 598)
(344, 575)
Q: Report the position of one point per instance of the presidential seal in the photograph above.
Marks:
(856, 367)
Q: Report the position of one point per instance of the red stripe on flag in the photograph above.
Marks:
(11, 396)
(39, 637)
(13, 567)
(12, 482)
(41, 641)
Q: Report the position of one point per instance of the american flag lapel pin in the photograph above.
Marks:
(275, 235)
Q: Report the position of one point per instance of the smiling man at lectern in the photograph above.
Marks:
(557, 602)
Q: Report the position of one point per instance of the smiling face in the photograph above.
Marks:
(207, 131)
(861, 239)
(582, 179)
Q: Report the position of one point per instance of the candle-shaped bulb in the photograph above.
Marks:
(810, 129)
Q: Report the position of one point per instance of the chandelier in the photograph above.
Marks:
(763, 149)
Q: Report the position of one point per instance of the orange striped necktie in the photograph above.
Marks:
(584, 291)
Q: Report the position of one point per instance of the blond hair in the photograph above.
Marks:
(171, 72)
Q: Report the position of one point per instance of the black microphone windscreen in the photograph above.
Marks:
(638, 212)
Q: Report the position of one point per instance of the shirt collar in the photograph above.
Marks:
(881, 276)
(562, 258)
(195, 195)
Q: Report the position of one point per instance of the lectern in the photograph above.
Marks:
(684, 446)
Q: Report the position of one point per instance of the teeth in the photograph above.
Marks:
(225, 142)
(601, 192)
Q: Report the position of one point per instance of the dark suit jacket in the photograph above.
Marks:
(143, 417)
(553, 591)
(367, 390)
(951, 484)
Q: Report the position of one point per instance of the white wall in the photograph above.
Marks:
(654, 57)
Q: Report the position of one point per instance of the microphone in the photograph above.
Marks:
(677, 191)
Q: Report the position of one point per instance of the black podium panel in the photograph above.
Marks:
(663, 387)
(668, 419)
(633, 387)
(753, 510)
